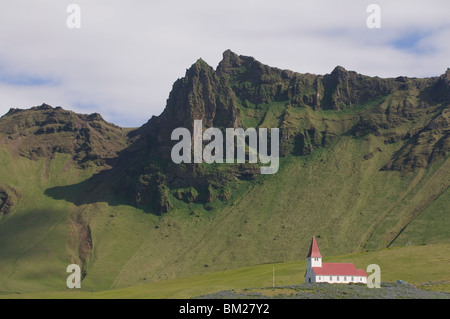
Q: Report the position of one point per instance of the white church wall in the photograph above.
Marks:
(341, 279)
(313, 262)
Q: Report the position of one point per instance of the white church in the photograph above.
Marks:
(334, 273)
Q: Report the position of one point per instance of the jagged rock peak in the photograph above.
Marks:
(231, 59)
(199, 66)
(200, 63)
(228, 54)
(338, 69)
(339, 72)
(229, 62)
(44, 106)
(446, 75)
(94, 117)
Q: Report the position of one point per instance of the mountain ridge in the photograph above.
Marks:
(219, 99)
(364, 165)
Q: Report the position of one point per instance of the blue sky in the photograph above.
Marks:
(410, 42)
(123, 60)
(25, 80)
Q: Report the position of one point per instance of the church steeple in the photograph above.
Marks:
(314, 249)
(314, 258)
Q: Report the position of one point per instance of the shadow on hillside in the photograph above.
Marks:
(109, 185)
(95, 189)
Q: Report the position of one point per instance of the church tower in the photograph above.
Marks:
(314, 258)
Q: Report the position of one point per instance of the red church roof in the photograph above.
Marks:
(338, 269)
(314, 250)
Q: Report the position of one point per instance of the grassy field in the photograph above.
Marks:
(424, 266)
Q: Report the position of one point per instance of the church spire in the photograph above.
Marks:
(314, 250)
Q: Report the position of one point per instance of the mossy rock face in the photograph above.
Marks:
(151, 190)
(188, 195)
(311, 111)
(225, 195)
(8, 198)
(164, 204)
(424, 147)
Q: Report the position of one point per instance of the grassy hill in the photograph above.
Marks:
(424, 267)
(364, 167)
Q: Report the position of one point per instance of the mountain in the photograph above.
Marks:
(364, 165)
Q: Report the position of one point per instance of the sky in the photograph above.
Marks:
(125, 55)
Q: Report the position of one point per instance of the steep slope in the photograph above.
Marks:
(41, 148)
(364, 166)
(200, 95)
(310, 110)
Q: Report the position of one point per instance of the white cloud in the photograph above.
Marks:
(124, 59)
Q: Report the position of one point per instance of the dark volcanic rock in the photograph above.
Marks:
(8, 198)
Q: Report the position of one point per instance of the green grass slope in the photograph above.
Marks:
(422, 266)
(35, 235)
